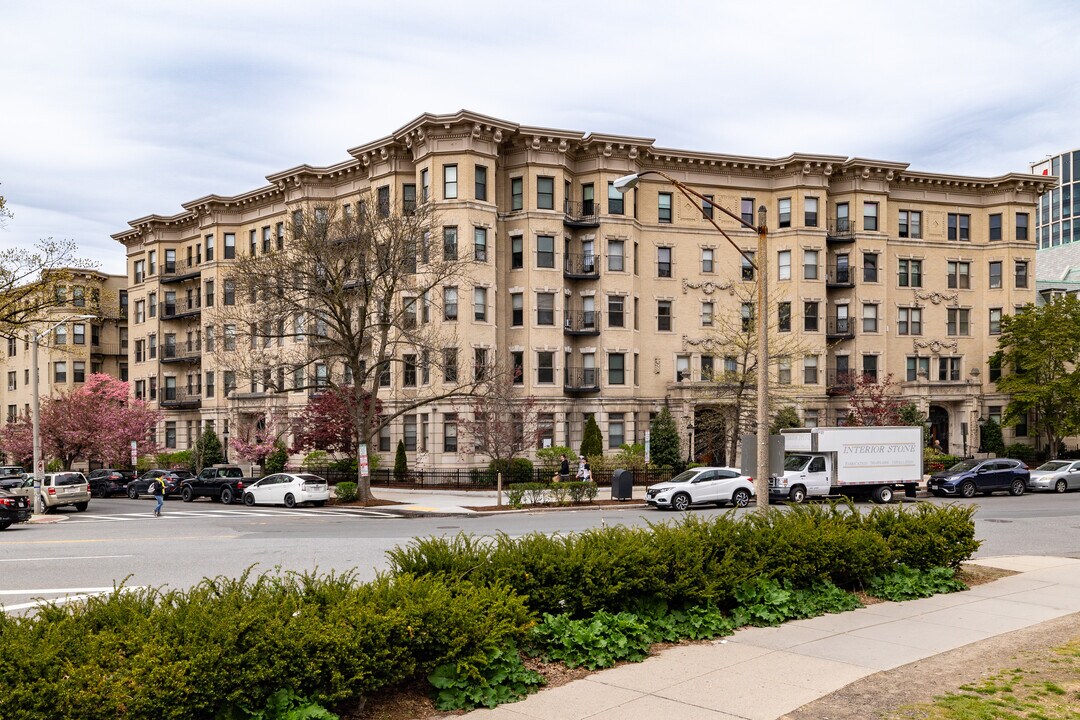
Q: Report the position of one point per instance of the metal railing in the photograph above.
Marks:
(480, 478)
(584, 211)
(581, 378)
(840, 275)
(176, 397)
(171, 271)
(839, 382)
(581, 265)
(840, 327)
(841, 229)
(181, 309)
(585, 322)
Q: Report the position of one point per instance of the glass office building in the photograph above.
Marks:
(1056, 219)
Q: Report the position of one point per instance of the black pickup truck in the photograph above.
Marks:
(224, 483)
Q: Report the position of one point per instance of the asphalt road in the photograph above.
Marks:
(119, 541)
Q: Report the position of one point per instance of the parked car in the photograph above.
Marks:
(11, 476)
(701, 486)
(221, 482)
(64, 488)
(288, 489)
(1056, 475)
(108, 482)
(13, 509)
(986, 476)
(172, 478)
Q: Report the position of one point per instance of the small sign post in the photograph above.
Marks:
(363, 460)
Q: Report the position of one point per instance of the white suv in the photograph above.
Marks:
(703, 485)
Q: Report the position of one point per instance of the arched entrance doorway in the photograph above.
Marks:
(939, 427)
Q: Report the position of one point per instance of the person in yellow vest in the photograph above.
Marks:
(157, 487)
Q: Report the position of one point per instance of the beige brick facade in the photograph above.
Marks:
(900, 264)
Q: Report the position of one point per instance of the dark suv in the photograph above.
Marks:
(983, 476)
(13, 509)
(108, 482)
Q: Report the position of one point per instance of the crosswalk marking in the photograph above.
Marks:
(253, 512)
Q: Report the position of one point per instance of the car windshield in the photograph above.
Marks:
(68, 479)
(685, 476)
(796, 462)
(1053, 465)
(965, 466)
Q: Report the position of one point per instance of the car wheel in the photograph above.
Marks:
(967, 489)
(318, 503)
(187, 495)
(226, 495)
(133, 493)
(1017, 488)
(1061, 486)
(249, 499)
(740, 498)
(290, 501)
(81, 507)
(797, 494)
(5, 524)
(680, 502)
(45, 509)
(883, 495)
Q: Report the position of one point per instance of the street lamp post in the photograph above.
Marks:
(689, 442)
(225, 440)
(760, 264)
(35, 399)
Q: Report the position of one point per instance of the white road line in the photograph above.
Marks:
(83, 595)
(76, 557)
(58, 591)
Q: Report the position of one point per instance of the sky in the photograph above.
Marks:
(112, 110)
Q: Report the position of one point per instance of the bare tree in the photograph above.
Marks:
(499, 420)
(32, 282)
(348, 299)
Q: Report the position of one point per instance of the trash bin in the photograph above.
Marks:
(622, 485)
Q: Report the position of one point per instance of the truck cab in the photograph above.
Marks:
(812, 472)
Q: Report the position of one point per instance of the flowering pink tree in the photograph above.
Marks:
(17, 440)
(256, 436)
(97, 421)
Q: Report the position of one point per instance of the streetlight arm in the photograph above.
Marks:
(69, 318)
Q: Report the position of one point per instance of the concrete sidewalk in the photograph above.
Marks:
(764, 673)
(419, 501)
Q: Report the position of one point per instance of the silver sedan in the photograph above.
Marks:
(1056, 475)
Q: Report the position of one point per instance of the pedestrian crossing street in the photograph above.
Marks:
(237, 513)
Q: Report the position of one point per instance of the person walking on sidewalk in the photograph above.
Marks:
(564, 468)
(157, 487)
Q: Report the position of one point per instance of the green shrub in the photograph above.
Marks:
(514, 470)
(905, 583)
(345, 491)
(928, 535)
(550, 457)
(592, 442)
(514, 494)
(316, 459)
(275, 461)
(503, 679)
(535, 493)
(558, 492)
(401, 462)
(1020, 451)
(991, 439)
(665, 449)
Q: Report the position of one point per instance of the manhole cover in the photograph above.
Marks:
(997, 520)
(447, 527)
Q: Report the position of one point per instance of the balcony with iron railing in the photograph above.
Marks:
(840, 230)
(839, 328)
(179, 270)
(181, 309)
(839, 276)
(584, 213)
(108, 348)
(180, 397)
(839, 382)
(581, 266)
(579, 380)
(581, 322)
(181, 352)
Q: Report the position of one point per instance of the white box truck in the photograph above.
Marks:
(863, 462)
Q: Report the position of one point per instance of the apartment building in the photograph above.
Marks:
(76, 348)
(614, 305)
(1057, 225)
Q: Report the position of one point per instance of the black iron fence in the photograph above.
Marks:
(473, 478)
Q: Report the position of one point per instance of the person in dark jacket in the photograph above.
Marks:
(157, 487)
(564, 468)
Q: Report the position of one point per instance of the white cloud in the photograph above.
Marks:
(114, 110)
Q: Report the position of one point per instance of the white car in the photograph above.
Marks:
(700, 486)
(287, 489)
(1056, 475)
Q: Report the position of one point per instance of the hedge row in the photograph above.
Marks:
(228, 645)
(700, 561)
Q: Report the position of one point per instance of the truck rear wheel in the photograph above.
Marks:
(187, 495)
(227, 495)
(883, 494)
(797, 495)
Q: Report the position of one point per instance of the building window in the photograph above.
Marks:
(663, 207)
(910, 273)
(425, 185)
(870, 267)
(1021, 273)
(78, 334)
(783, 370)
(784, 208)
(959, 275)
(480, 364)
(230, 292)
(384, 439)
(616, 308)
(517, 309)
(810, 317)
(810, 370)
(706, 260)
(1021, 226)
(614, 200)
(408, 370)
(995, 368)
(616, 253)
(959, 321)
(959, 227)
(663, 315)
(450, 243)
(810, 264)
(910, 224)
(480, 304)
(545, 251)
(230, 246)
(60, 335)
(517, 361)
(449, 182)
(917, 367)
(783, 265)
(450, 436)
(909, 321)
(995, 226)
(995, 321)
(663, 262)
(450, 369)
(480, 244)
(616, 369)
(747, 316)
(209, 293)
(545, 193)
(995, 274)
(746, 211)
(810, 210)
(869, 318)
(517, 252)
(229, 341)
(545, 308)
(707, 206)
(706, 367)
(616, 431)
(869, 367)
(60, 372)
(516, 193)
(746, 260)
(706, 314)
(948, 369)
(481, 182)
(843, 224)
(545, 368)
(783, 323)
